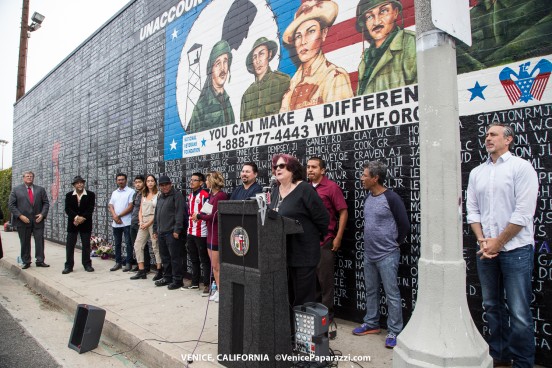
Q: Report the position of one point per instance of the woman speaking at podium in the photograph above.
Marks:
(294, 198)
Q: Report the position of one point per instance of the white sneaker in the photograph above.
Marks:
(214, 297)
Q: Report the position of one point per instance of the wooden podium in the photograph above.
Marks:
(254, 312)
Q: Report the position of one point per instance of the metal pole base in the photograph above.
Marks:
(441, 332)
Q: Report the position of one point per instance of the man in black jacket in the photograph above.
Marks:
(168, 228)
(79, 207)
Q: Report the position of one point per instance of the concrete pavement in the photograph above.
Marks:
(162, 327)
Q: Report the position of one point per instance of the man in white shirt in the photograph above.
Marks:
(501, 201)
(120, 207)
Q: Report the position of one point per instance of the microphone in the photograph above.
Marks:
(273, 181)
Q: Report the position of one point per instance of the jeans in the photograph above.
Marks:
(384, 271)
(118, 240)
(171, 257)
(509, 275)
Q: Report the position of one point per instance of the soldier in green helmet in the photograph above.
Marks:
(390, 61)
(264, 96)
(213, 108)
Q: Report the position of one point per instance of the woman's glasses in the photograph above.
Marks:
(280, 166)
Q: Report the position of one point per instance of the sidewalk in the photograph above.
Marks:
(172, 321)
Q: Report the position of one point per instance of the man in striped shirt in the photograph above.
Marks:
(197, 234)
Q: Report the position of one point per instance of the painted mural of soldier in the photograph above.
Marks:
(317, 80)
(213, 108)
(504, 31)
(264, 96)
(390, 61)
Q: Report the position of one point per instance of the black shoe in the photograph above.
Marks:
(66, 271)
(161, 282)
(89, 268)
(147, 270)
(135, 269)
(127, 268)
(25, 266)
(42, 264)
(116, 267)
(139, 275)
(174, 286)
(158, 275)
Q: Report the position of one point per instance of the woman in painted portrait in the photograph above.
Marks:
(317, 80)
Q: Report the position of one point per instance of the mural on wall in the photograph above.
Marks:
(299, 59)
(179, 86)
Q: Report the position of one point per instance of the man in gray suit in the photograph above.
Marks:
(29, 206)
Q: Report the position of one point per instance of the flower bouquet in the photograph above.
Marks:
(100, 248)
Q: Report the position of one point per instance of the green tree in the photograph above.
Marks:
(5, 190)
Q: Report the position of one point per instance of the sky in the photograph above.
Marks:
(62, 31)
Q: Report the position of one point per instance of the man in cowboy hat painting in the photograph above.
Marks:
(390, 61)
(316, 81)
(264, 96)
(213, 108)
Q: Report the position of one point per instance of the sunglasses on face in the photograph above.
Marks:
(279, 166)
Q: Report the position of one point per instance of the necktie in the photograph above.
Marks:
(31, 196)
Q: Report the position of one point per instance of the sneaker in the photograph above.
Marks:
(390, 341)
(214, 297)
(364, 329)
(206, 291)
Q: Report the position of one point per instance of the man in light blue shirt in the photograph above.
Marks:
(501, 201)
(120, 207)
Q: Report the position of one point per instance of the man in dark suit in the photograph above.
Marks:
(79, 207)
(29, 206)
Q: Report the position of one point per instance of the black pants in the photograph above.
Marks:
(147, 258)
(25, 233)
(197, 249)
(171, 257)
(70, 249)
(302, 285)
(325, 276)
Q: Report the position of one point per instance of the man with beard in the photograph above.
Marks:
(334, 201)
(213, 108)
(501, 202)
(120, 208)
(316, 81)
(264, 96)
(390, 61)
(249, 186)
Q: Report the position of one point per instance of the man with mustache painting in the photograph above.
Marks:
(213, 108)
(316, 80)
(390, 61)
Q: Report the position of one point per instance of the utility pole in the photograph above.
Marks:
(441, 332)
(25, 34)
(23, 42)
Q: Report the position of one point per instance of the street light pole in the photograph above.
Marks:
(3, 142)
(441, 332)
(23, 41)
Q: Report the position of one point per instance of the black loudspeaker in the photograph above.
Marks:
(87, 328)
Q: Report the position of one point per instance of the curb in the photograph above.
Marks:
(144, 351)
